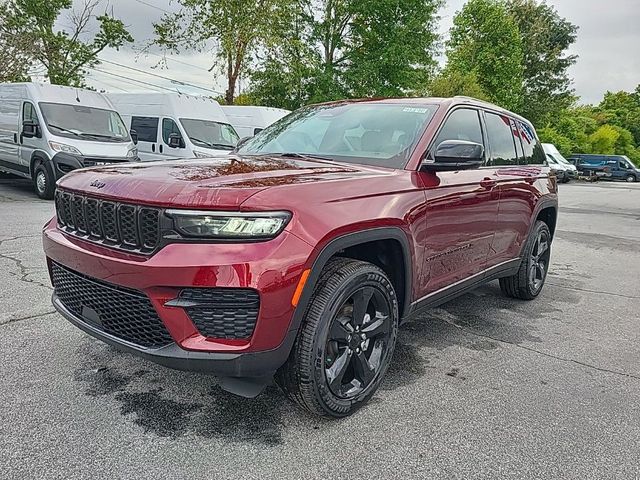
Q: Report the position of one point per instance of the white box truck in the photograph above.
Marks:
(48, 130)
(173, 125)
(249, 121)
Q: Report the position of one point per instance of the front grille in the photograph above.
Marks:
(229, 313)
(118, 311)
(118, 225)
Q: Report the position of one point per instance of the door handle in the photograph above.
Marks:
(488, 183)
(161, 148)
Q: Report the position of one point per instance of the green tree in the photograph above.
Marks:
(623, 109)
(232, 30)
(391, 46)
(545, 38)
(452, 83)
(63, 53)
(485, 41)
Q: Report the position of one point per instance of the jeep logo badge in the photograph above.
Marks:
(97, 184)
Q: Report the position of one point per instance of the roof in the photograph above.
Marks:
(45, 92)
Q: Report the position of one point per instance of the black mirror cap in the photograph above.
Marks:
(452, 155)
(134, 136)
(175, 141)
(30, 130)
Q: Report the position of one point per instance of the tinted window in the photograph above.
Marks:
(463, 124)
(503, 148)
(169, 127)
(146, 128)
(29, 113)
(533, 151)
(372, 133)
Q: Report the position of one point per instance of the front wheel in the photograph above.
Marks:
(631, 178)
(528, 282)
(346, 341)
(44, 181)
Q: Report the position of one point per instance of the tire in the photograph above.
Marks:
(527, 283)
(311, 376)
(44, 183)
(631, 178)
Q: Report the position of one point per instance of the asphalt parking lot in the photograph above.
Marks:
(483, 387)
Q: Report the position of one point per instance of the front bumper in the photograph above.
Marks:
(67, 162)
(253, 364)
(272, 268)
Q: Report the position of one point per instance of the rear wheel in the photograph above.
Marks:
(44, 181)
(346, 340)
(528, 282)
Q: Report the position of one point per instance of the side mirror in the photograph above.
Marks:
(175, 141)
(134, 136)
(30, 129)
(452, 155)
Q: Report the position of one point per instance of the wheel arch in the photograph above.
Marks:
(37, 156)
(353, 245)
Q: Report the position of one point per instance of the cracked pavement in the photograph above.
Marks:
(481, 387)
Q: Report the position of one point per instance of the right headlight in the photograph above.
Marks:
(229, 225)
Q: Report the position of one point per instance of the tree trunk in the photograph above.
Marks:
(230, 94)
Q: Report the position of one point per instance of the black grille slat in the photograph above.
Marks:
(117, 225)
(229, 313)
(149, 221)
(128, 222)
(109, 221)
(124, 313)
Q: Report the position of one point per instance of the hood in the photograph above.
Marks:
(216, 183)
(96, 149)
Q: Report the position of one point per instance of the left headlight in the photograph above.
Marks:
(198, 154)
(229, 225)
(64, 148)
(132, 152)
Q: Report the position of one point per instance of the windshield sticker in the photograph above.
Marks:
(415, 110)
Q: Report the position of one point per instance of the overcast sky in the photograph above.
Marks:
(608, 47)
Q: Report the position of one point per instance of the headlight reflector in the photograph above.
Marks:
(198, 154)
(61, 147)
(229, 225)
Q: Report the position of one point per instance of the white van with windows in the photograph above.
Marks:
(173, 125)
(48, 130)
(249, 121)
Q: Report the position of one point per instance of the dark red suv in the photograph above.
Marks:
(299, 255)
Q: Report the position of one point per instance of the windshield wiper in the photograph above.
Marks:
(197, 140)
(99, 135)
(304, 156)
(62, 129)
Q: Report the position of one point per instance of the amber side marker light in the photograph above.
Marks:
(298, 293)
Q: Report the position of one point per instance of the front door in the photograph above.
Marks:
(29, 145)
(462, 210)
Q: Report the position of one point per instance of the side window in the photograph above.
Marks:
(533, 151)
(503, 148)
(146, 128)
(462, 124)
(169, 127)
(29, 113)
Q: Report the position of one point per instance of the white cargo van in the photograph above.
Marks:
(49, 130)
(249, 121)
(173, 125)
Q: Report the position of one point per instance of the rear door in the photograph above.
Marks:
(147, 130)
(462, 210)
(517, 179)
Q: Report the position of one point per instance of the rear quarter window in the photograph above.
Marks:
(533, 151)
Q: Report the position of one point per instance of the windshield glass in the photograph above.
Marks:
(88, 123)
(380, 134)
(210, 134)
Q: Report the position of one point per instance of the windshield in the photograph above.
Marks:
(210, 134)
(560, 159)
(88, 123)
(379, 134)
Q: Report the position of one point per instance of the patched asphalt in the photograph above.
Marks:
(482, 387)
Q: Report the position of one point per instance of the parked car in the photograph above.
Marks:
(172, 125)
(300, 254)
(47, 131)
(565, 171)
(610, 167)
(249, 121)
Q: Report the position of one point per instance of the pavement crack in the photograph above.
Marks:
(545, 354)
(23, 274)
(20, 237)
(594, 291)
(30, 317)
